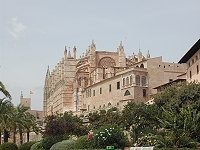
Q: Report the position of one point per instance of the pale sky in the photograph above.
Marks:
(33, 34)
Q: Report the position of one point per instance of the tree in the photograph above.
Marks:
(180, 115)
(31, 125)
(66, 124)
(4, 91)
(140, 118)
(179, 129)
(5, 105)
(21, 120)
(179, 95)
(111, 116)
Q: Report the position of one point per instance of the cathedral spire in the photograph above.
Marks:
(69, 54)
(21, 95)
(65, 53)
(48, 72)
(74, 49)
(148, 54)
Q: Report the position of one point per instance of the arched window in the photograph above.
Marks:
(79, 81)
(127, 93)
(137, 80)
(123, 81)
(141, 66)
(127, 81)
(144, 82)
(86, 81)
(107, 62)
(131, 80)
(109, 104)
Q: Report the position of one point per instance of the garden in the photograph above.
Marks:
(172, 122)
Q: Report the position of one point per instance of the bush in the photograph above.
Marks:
(110, 135)
(37, 146)
(173, 148)
(82, 143)
(49, 141)
(64, 145)
(8, 146)
(27, 145)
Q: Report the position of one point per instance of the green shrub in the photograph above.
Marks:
(37, 146)
(109, 135)
(173, 148)
(82, 143)
(27, 145)
(64, 145)
(49, 141)
(8, 146)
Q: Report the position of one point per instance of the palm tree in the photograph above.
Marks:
(31, 125)
(4, 91)
(6, 107)
(21, 120)
(3, 103)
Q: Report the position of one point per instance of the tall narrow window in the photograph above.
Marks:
(144, 92)
(190, 74)
(100, 90)
(137, 80)
(110, 88)
(192, 61)
(93, 92)
(123, 81)
(127, 81)
(144, 82)
(118, 85)
(131, 80)
(197, 69)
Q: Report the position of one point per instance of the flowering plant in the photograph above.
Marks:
(109, 135)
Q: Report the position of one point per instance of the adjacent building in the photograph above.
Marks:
(192, 59)
(103, 79)
(26, 102)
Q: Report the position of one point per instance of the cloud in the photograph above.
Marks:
(16, 27)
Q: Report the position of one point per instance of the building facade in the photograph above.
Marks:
(192, 59)
(103, 79)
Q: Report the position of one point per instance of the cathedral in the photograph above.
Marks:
(104, 79)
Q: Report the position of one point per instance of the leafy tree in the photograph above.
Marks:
(179, 95)
(103, 117)
(140, 118)
(182, 102)
(181, 128)
(66, 124)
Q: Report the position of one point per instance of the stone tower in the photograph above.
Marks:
(26, 102)
(122, 57)
(58, 88)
